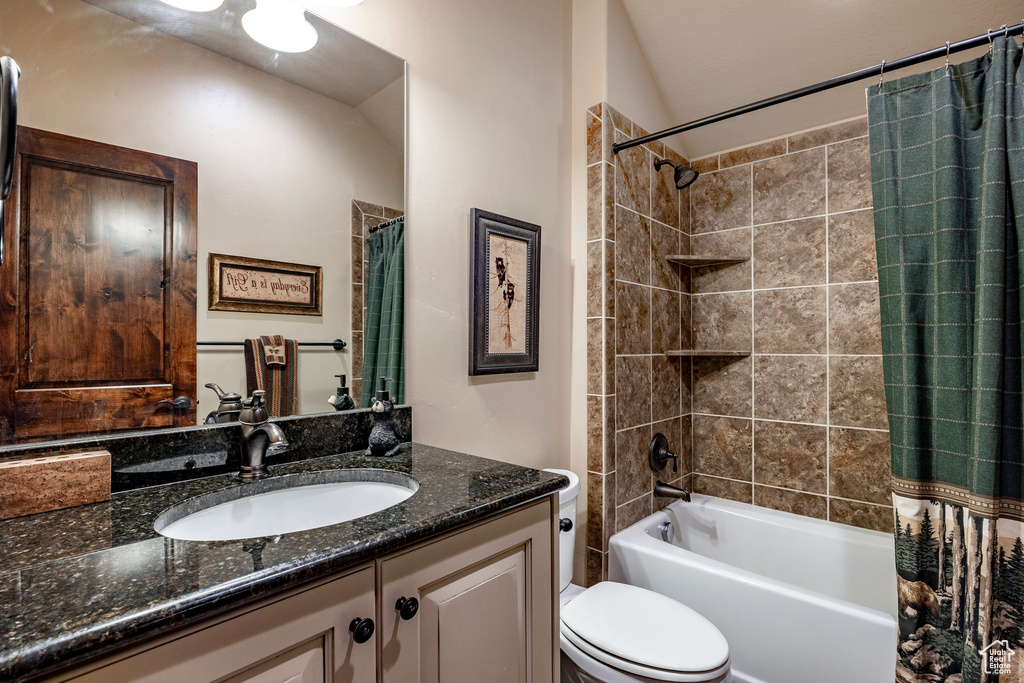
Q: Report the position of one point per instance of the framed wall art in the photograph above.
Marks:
(505, 296)
(238, 283)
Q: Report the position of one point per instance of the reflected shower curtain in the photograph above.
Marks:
(383, 341)
(947, 168)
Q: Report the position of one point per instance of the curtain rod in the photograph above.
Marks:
(853, 77)
(337, 344)
(386, 224)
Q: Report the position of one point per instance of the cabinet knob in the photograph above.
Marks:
(407, 607)
(565, 524)
(362, 629)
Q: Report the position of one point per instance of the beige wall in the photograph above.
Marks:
(278, 164)
(488, 127)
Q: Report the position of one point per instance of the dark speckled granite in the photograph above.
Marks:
(161, 456)
(80, 583)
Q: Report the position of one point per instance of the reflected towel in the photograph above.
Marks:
(279, 379)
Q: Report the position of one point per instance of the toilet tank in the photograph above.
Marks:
(566, 539)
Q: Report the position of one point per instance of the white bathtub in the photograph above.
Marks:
(800, 600)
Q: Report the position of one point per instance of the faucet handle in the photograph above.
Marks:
(254, 409)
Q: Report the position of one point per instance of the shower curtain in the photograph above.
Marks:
(383, 341)
(947, 168)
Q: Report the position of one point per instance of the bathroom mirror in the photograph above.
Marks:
(286, 156)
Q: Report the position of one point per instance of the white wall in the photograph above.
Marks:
(278, 165)
(488, 127)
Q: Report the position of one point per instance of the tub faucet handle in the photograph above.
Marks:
(658, 454)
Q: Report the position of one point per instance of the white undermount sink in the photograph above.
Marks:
(286, 504)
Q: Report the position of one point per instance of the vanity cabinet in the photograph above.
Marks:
(485, 604)
(477, 604)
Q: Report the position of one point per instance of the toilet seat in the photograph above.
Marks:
(643, 633)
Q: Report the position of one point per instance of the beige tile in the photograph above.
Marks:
(791, 388)
(595, 559)
(790, 320)
(633, 168)
(722, 447)
(664, 196)
(720, 200)
(664, 242)
(856, 392)
(369, 209)
(356, 220)
(608, 249)
(608, 200)
(854, 320)
(859, 465)
(632, 391)
(632, 512)
(632, 247)
(667, 388)
(595, 503)
(723, 488)
(721, 386)
(685, 446)
(595, 434)
(721, 321)
(357, 352)
(596, 109)
(684, 212)
(790, 254)
(595, 356)
(793, 456)
(705, 165)
(392, 213)
(595, 279)
(620, 122)
(356, 259)
(823, 136)
(877, 517)
(790, 186)
(633, 476)
(797, 502)
(633, 318)
(849, 176)
(665, 321)
(762, 150)
(724, 278)
(595, 202)
(609, 433)
(593, 139)
(686, 318)
(357, 307)
(610, 326)
(851, 247)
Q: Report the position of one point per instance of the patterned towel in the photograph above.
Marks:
(271, 364)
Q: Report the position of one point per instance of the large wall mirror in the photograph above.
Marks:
(151, 137)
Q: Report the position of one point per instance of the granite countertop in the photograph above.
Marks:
(79, 583)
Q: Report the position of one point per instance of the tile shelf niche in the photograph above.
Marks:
(703, 261)
(701, 353)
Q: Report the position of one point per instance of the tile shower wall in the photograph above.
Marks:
(364, 217)
(800, 425)
(637, 308)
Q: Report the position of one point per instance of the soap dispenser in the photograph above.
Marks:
(342, 400)
(385, 435)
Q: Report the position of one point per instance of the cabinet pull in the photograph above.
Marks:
(362, 629)
(407, 607)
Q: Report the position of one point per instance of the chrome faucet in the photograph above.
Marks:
(260, 436)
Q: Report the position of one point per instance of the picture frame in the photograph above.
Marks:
(505, 298)
(239, 283)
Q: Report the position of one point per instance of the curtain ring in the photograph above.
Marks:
(947, 57)
(881, 74)
(989, 34)
(1006, 31)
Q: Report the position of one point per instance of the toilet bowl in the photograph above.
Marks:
(616, 633)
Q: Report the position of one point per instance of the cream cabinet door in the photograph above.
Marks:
(303, 638)
(484, 601)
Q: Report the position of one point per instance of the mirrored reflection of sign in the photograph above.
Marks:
(261, 286)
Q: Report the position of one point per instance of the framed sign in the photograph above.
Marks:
(506, 295)
(238, 283)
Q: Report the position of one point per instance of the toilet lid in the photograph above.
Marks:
(641, 626)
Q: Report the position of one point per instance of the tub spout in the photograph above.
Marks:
(668, 491)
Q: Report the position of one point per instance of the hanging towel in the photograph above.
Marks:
(271, 365)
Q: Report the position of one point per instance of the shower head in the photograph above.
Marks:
(684, 175)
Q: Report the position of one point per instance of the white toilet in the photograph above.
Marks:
(616, 633)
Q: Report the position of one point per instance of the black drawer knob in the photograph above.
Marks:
(407, 607)
(565, 524)
(362, 629)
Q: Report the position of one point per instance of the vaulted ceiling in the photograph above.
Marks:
(707, 56)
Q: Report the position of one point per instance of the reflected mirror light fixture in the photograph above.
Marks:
(279, 25)
(195, 5)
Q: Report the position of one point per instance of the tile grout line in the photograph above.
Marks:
(788, 422)
(828, 363)
(753, 445)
